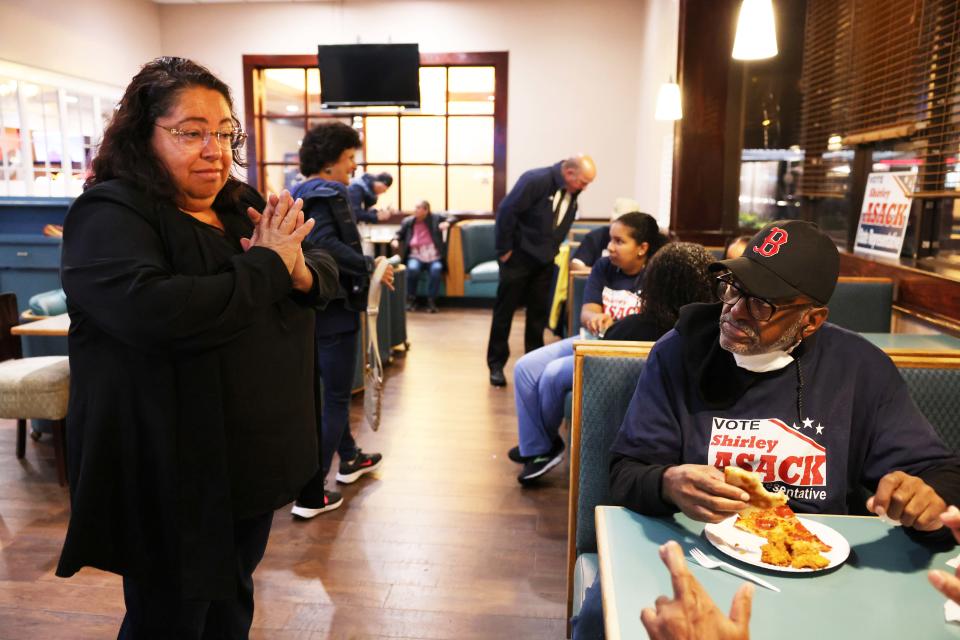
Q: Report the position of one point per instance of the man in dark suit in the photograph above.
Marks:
(532, 221)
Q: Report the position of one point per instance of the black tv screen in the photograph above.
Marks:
(354, 75)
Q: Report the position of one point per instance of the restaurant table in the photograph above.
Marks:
(914, 341)
(881, 591)
(58, 325)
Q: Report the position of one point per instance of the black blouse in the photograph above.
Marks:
(191, 395)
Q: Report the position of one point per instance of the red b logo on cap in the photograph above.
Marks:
(772, 243)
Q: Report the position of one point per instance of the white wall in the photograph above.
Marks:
(101, 40)
(583, 76)
(579, 78)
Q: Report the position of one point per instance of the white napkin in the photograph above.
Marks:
(951, 611)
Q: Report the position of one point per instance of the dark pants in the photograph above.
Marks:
(588, 624)
(160, 614)
(336, 360)
(522, 281)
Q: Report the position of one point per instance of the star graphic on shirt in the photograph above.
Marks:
(819, 428)
(808, 423)
(794, 425)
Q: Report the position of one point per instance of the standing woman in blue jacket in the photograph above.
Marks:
(327, 159)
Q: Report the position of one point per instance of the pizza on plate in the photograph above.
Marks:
(789, 543)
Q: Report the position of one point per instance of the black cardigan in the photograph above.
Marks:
(191, 386)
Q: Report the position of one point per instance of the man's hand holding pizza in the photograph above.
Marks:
(700, 492)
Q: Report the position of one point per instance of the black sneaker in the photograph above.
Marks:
(351, 471)
(497, 378)
(331, 500)
(431, 306)
(514, 455)
(538, 465)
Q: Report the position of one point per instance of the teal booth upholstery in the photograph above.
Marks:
(480, 267)
(578, 283)
(934, 390)
(603, 387)
(398, 309)
(864, 305)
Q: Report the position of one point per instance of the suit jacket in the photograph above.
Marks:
(525, 217)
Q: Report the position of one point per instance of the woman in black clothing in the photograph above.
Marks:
(327, 160)
(191, 407)
(676, 276)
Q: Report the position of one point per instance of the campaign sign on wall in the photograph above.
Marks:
(885, 212)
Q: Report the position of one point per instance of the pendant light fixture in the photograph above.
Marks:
(756, 32)
(668, 102)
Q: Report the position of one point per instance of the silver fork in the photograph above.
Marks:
(709, 563)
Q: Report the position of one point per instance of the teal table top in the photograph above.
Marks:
(881, 591)
(919, 341)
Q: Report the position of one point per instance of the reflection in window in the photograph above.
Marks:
(49, 130)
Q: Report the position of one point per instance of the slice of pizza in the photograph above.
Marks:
(750, 482)
(789, 543)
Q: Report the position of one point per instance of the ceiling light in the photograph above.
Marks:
(756, 32)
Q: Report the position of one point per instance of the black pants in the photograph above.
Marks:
(159, 614)
(522, 281)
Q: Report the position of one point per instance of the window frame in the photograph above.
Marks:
(253, 118)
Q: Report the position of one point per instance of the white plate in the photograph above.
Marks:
(745, 547)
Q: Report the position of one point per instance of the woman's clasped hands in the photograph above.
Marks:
(282, 228)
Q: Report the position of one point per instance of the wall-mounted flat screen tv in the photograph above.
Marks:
(353, 75)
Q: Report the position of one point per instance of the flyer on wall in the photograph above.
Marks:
(885, 212)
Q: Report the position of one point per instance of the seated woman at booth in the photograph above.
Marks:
(612, 292)
(420, 244)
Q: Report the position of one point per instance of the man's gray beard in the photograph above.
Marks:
(789, 338)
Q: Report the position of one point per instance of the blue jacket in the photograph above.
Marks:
(335, 231)
(362, 198)
(525, 216)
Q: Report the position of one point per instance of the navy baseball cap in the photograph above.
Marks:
(786, 259)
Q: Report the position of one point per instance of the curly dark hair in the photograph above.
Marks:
(324, 144)
(643, 228)
(126, 152)
(676, 276)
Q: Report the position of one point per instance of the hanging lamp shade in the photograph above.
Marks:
(756, 33)
(668, 102)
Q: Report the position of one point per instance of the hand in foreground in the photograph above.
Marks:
(598, 323)
(383, 215)
(692, 614)
(908, 499)
(281, 228)
(948, 585)
(395, 243)
(701, 493)
(387, 278)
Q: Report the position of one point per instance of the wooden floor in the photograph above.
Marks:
(440, 543)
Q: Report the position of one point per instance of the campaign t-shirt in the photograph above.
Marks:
(845, 419)
(617, 292)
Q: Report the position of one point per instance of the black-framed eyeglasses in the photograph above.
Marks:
(759, 308)
(198, 138)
